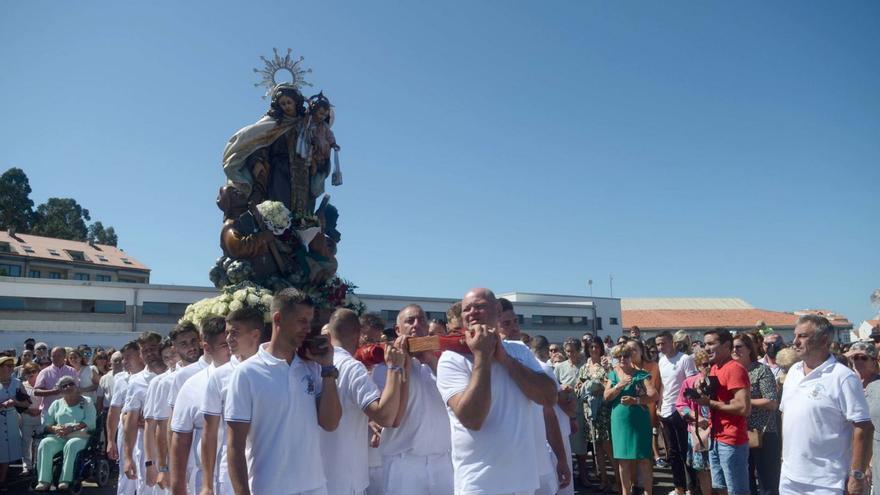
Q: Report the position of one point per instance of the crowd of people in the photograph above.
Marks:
(232, 407)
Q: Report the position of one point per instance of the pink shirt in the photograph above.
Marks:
(48, 378)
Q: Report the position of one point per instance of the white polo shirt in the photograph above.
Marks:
(150, 402)
(183, 374)
(157, 408)
(187, 416)
(120, 386)
(345, 446)
(279, 400)
(492, 459)
(424, 429)
(137, 391)
(817, 423)
(673, 371)
(213, 404)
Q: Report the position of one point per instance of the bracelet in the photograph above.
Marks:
(396, 369)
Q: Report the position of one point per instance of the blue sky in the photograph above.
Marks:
(688, 148)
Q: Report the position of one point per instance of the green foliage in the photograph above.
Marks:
(99, 235)
(16, 206)
(62, 218)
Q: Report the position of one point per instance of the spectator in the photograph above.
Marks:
(27, 356)
(629, 390)
(773, 343)
(106, 381)
(591, 383)
(30, 418)
(556, 354)
(41, 349)
(88, 379)
(48, 378)
(765, 445)
(730, 405)
(675, 367)
(567, 373)
(635, 333)
(371, 328)
(436, 327)
(12, 394)
(825, 415)
(872, 394)
(863, 356)
(68, 421)
(640, 360)
(682, 342)
(453, 318)
(697, 418)
(29, 344)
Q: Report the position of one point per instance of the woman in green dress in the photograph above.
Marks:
(629, 390)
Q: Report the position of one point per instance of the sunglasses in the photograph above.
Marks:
(66, 386)
(860, 357)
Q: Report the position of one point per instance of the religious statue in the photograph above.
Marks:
(276, 168)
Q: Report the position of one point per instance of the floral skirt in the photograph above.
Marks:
(600, 423)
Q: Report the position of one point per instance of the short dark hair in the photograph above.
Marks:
(823, 326)
(250, 317)
(666, 334)
(212, 328)
(286, 299)
(506, 305)
(182, 328)
(148, 337)
(723, 335)
(572, 342)
(594, 340)
(540, 343)
(166, 343)
(130, 346)
(372, 320)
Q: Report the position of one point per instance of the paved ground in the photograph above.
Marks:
(18, 485)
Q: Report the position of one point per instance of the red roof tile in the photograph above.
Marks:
(709, 318)
(48, 248)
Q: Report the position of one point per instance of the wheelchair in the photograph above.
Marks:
(91, 464)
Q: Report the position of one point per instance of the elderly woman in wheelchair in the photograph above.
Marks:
(67, 424)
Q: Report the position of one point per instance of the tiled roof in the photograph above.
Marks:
(636, 303)
(48, 248)
(709, 318)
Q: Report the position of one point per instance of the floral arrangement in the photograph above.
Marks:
(335, 293)
(231, 298)
(275, 215)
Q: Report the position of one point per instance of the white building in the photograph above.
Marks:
(72, 312)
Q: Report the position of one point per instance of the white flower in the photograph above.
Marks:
(253, 300)
(267, 317)
(235, 305)
(240, 295)
(275, 215)
(266, 299)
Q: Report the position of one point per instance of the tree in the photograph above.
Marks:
(16, 206)
(62, 218)
(99, 235)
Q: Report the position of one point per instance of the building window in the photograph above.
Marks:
(11, 303)
(612, 321)
(10, 270)
(81, 276)
(117, 307)
(55, 275)
(102, 258)
(560, 320)
(126, 261)
(5, 247)
(34, 274)
(61, 305)
(103, 278)
(76, 255)
(599, 323)
(28, 249)
(163, 308)
(54, 252)
(436, 315)
(390, 316)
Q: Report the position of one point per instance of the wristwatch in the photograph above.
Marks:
(163, 469)
(329, 372)
(857, 475)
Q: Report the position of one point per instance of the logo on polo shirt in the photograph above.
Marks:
(817, 392)
(310, 384)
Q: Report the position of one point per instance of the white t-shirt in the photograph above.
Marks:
(137, 391)
(279, 400)
(561, 417)
(158, 408)
(105, 385)
(424, 429)
(183, 374)
(817, 423)
(150, 401)
(673, 371)
(491, 460)
(345, 446)
(213, 404)
(187, 416)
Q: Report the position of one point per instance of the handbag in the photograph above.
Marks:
(756, 438)
(22, 396)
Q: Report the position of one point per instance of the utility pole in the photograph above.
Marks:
(611, 284)
(590, 284)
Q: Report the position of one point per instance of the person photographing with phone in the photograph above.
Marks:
(727, 396)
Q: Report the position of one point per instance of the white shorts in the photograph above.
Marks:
(426, 475)
(790, 487)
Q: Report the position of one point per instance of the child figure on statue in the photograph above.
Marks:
(322, 142)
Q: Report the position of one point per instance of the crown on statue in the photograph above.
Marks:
(277, 64)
